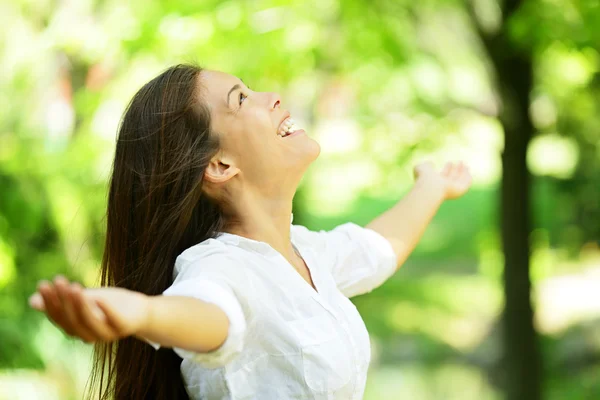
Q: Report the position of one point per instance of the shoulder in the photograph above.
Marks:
(210, 258)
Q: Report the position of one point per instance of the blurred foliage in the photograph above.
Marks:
(381, 84)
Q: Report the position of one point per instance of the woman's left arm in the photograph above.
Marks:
(404, 224)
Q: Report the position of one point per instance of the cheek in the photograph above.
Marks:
(260, 121)
(253, 148)
(259, 133)
(252, 139)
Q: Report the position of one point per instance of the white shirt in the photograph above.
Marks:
(285, 340)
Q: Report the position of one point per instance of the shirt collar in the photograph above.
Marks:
(245, 242)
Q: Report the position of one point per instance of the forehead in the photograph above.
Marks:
(215, 86)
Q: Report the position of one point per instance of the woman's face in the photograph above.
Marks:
(249, 124)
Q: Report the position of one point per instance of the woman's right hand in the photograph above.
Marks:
(103, 314)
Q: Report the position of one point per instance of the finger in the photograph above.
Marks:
(91, 301)
(455, 171)
(112, 317)
(36, 301)
(446, 170)
(70, 318)
(467, 178)
(464, 170)
(84, 330)
(92, 319)
(81, 329)
(52, 303)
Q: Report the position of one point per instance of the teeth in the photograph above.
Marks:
(287, 127)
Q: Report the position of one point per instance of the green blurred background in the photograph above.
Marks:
(511, 87)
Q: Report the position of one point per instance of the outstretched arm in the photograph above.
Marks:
(108, 314)
(404, 224)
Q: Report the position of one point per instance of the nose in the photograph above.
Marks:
(275, 101)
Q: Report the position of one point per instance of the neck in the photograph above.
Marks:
(265, 220)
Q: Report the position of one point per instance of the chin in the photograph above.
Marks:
(305, 153)
(315, 150)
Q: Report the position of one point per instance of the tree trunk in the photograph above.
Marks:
(522, 366)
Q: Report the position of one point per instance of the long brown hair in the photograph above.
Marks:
(156, 209)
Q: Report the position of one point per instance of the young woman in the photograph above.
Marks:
(209, 291)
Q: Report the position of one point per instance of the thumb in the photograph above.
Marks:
(93, 304)
(37, 302)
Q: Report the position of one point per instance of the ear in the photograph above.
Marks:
(218, 171)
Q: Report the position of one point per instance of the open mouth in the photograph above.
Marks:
(287, 127)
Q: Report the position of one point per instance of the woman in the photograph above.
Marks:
(202, 262)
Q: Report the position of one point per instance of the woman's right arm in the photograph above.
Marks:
(108, 314)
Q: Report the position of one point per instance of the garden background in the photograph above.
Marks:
(501, 299)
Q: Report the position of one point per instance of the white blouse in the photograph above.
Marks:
(285, 340)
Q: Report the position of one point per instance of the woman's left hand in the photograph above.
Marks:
(454, 179)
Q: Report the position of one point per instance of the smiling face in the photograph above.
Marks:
(251, 126)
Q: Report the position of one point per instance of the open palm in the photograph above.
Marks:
(454, 179)
(103, 314)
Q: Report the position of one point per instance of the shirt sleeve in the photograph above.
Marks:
(196, 282)
(359, 259)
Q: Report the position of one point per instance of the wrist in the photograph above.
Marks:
(147, 305)
(433, 186)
